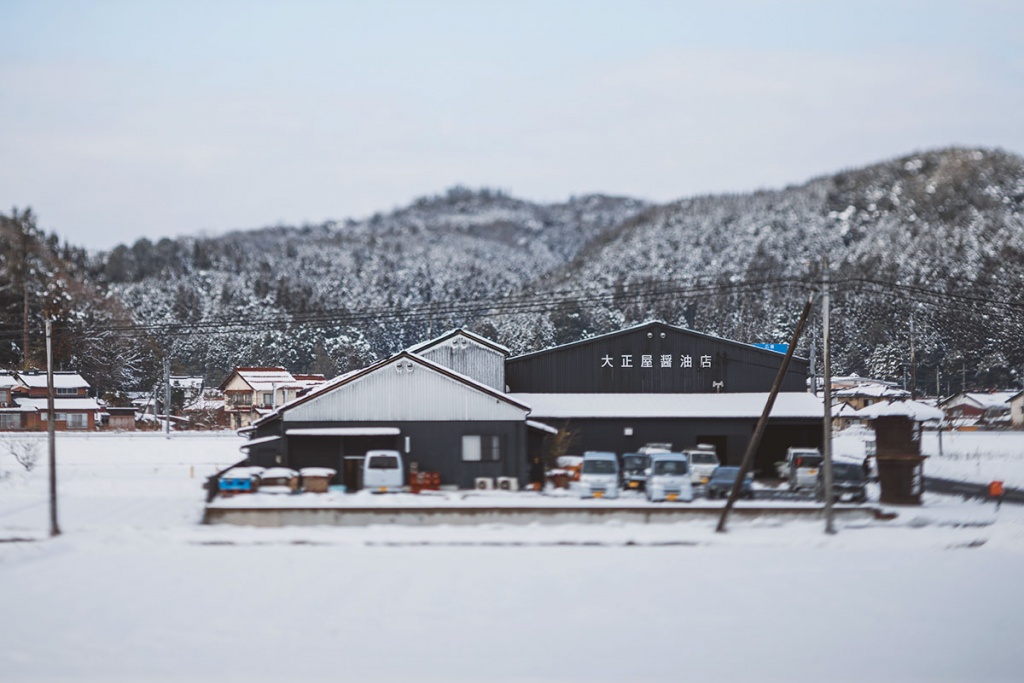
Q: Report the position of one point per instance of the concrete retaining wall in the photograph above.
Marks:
(428, 516)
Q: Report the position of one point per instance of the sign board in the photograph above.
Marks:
(777, 348)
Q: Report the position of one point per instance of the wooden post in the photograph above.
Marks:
(50, 432)
(755, 440)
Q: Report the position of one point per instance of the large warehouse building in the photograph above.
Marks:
(458, 405)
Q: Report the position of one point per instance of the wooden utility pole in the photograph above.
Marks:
(26, 357)
(167, 396)
(755, 440)
(913, 363)
(50, 420)
(826, 362)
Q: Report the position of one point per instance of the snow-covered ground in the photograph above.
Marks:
(136, 590)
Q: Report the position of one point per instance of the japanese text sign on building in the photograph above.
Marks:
(646, 360)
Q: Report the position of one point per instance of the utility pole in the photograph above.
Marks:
(23, 226)
(913, 365)
(50, 433)
(826, 362)
(814, 375)
(755, 440)
(167, 396)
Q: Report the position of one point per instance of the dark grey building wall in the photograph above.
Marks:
(433, 446)
(654, 358)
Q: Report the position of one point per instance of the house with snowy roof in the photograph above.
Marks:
(851, 397)
(439, 419)
(251, 392)
(73, 408)
(978, 409)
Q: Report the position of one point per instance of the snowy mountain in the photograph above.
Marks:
(926, 251)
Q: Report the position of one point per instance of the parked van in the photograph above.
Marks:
(599, 475)
(801, 468)
(383, 471)
(703, 461)
(669, 478)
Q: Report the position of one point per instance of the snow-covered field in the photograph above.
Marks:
(135, 590)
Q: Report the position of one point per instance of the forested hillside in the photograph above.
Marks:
(925, 251)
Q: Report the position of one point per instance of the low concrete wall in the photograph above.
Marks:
(428, 516)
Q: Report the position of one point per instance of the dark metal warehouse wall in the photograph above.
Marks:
(653, 358)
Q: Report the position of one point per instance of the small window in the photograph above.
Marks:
(67, 391)
(77, 421)
(268, 398)
(481, 448)
(383, 462)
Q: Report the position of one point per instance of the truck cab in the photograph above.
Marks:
(703, 461)
(669, 478)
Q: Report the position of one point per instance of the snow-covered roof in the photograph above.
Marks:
(541, 426)
(980, 399)
(61, 380)
(317, 472)
(355, 374)
(856, 380)
(237, 473)
(266, 379)
(915, 410)
(280, 472)
(307, 381)
(872, 391)
(7, 381)
(788, 404)
(60, 403)
(992, 400)
(254, 442)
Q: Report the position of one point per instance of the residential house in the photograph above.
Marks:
(252, 392)
(12, 416)
(73, 408)
(978, 409)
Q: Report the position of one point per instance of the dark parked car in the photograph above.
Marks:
(722, 479)
(848, 483)
(634, 470)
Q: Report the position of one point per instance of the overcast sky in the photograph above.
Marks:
(128, 118)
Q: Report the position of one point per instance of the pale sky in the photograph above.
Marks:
(131, 118)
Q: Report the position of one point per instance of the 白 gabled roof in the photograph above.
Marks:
(458, 331)
(262, 378)
(872, 391)
(61, 380)
(355, 375)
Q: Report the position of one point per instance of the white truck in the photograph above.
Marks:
(703, 461)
